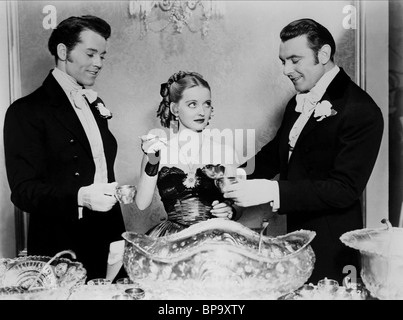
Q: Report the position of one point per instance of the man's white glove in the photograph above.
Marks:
(98, 196)
(248, 193)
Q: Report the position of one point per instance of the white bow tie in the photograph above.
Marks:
(78, 98)
(306, 102)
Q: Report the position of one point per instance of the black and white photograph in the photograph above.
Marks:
(201, 154)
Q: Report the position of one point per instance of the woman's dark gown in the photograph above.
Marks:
(184, 205)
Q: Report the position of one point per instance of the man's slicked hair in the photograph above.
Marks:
(316, 34)
(68, 32)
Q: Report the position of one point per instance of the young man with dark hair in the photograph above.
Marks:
(60, 153)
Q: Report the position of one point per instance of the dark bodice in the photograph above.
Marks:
(172, 189)
(185, 204)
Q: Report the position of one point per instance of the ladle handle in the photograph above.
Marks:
(264, 226)
(388, 224)
(57, 255)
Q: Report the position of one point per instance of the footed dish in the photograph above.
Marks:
(381, 259)
(39, 277)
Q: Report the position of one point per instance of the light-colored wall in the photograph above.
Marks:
(239, 58)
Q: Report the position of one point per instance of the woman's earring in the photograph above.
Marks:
(175, 123)
(211, 115)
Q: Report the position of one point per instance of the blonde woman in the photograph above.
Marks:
(177, 165)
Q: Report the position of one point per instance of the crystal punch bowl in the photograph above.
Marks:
(222, 253)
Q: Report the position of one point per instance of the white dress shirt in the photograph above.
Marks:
(84, 113)
(316, 93)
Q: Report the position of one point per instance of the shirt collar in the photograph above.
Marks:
(67, 82)
(321, 86)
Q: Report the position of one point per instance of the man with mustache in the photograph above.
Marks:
(60, 153)
(324, 150)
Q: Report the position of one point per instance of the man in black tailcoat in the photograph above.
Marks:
(60, 153)
(324, 150)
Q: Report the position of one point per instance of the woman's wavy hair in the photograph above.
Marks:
(172, 91)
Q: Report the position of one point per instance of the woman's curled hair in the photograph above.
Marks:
(172, 91)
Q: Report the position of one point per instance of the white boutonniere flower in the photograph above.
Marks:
(324, 110)
(103, 111)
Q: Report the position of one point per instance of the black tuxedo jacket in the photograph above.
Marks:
(48, 159)
(321, 184)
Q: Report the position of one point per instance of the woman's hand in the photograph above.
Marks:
(222, 210)
(151, 145)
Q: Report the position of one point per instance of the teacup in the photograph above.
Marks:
(124, 281)
(232, 175)
(223, 182)
(125, 194)
(135, 293)
(328, 285)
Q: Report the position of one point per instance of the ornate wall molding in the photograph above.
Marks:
(360, 74)
(372, 75)
(14, 50)
(14, 74)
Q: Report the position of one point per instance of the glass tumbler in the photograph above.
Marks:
(126, 193)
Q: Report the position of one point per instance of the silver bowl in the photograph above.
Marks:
(39, 277)
(381, 259)
(221, 255)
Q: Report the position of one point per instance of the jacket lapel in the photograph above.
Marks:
(309, 126)
(333, 94)
(64, 112)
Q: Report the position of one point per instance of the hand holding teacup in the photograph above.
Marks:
(151, 145)
(97, 196)
(253, 192)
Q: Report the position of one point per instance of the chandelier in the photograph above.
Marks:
(157, 16)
